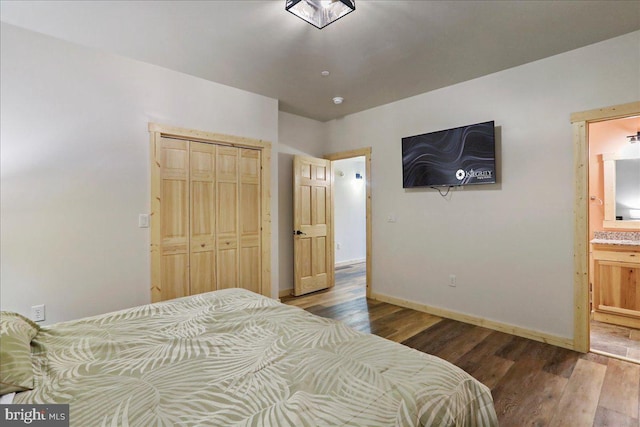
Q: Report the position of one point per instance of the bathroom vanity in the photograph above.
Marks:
(616, 280)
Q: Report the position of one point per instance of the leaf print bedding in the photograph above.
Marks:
(235, 358)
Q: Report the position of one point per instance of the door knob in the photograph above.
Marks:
(298, 232)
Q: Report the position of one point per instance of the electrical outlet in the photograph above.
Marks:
(452, 280)
(37, 313)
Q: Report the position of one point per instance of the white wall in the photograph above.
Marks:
(297, 136)
(75, 168)
(350, 210)
(510, 244)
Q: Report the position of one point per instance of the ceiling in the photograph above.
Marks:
(383, 52)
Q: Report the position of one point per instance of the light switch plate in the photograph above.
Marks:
(143, 220)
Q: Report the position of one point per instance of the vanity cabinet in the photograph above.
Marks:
(616, 284)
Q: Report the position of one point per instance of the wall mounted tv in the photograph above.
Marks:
(460, 156)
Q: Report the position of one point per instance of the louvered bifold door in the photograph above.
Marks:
(173, 157)
(203, 218)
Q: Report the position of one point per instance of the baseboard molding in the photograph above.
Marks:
(349, 262)
(478, 321)
(285, 292)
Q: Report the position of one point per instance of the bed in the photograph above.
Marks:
(233, 357)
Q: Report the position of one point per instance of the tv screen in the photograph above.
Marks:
(459, 156)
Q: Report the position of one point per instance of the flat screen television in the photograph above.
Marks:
(460, 156)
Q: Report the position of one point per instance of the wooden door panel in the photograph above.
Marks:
(227, 208)
(227, 164)
(174, 217)
(619, 285)
(202, 210)
(174, 158)
(175, 276)
(227, 219)
(203, 272)
(313, 232)
(320, 208)
(228, 268)
(203, 218)
(249, 264)
(250, 269)
(305, 205)
(303, 257)
(202, 161)
(249, 209)
(174, 211)
(320, 258)
(249, 166)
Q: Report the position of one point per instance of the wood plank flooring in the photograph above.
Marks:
(533, 384)
(614, 339)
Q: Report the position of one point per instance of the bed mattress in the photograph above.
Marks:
(233, 357)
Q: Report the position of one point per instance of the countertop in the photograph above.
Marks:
(616, 242)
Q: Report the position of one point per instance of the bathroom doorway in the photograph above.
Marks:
(614, 328)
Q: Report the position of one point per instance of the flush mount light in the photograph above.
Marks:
(320, 13)
(338, 100)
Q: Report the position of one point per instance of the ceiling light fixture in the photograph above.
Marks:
(338, 100)
(320, 13)
(634, 138)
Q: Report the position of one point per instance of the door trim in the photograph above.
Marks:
(156, 131)
(366, 152)
(580, 123)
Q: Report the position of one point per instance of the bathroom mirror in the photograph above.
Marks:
(621, 192)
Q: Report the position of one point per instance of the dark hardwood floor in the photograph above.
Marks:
(533, 384)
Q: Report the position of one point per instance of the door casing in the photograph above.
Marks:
(366, 153)
(580, 124)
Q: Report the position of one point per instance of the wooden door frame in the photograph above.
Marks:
(156, 131)
(366, 153)
(580, 123)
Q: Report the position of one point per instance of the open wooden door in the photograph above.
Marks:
(313, 266)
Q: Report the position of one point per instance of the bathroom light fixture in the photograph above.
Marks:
(634, 138)
(320, 13)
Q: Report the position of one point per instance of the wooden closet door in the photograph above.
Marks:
(227, 216)
(207, 217)
(174, 217)
(250, 250)
(202, 266)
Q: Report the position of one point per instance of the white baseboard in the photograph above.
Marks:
(351, 261)
(478, 321)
